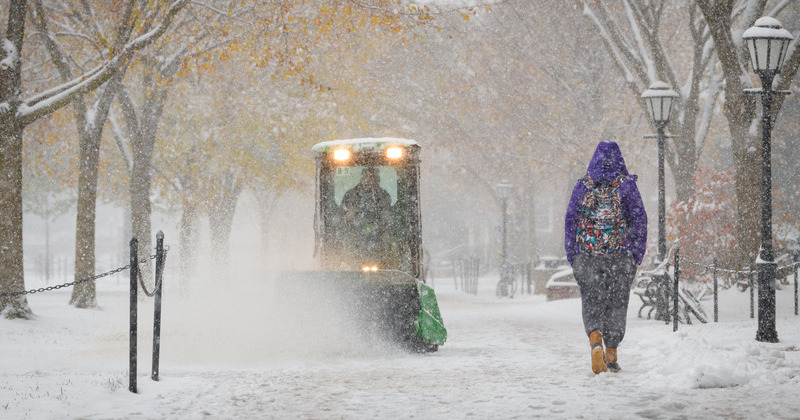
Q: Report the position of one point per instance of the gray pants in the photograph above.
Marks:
(605, 284)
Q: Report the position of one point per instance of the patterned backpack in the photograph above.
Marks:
(601, 226)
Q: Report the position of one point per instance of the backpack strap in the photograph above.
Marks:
(587, 182)
(619, 180)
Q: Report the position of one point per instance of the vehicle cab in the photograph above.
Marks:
(367, 214)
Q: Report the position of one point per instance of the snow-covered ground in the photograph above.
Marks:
(227, 352)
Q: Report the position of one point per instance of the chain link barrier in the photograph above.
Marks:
(158, 280)
(97, 277)
(655, 300)
(726, 270)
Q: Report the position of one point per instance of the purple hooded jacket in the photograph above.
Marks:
(606, 164)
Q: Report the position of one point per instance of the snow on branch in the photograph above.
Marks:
(159, 30)
(49, 101)
(712, 94)
(610, 46)
(634, 19)
(119, 139)
(779, 7)
(10, 55)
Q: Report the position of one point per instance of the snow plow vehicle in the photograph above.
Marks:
(368, 239)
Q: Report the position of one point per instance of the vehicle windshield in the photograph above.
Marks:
(345, 178)
(367, 216)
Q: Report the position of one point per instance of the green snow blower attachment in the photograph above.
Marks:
(430, 326)
(389, 304)
(368, 238)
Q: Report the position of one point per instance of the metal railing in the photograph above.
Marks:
(652, 287)
(135, 281)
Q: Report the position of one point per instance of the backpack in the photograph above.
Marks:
(601, 225)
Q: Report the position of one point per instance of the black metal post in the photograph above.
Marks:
(664, 298)
(157, 305)
(795, 288)
(766, 261)
(133, 312)
(752, 285)
(675, 290)
(716, 296)
(455, 273)
(504, 253)
(505, 289)
(529, 275)
(477, 275)
(662, 235)
(462, 275)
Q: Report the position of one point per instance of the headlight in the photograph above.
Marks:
(394, 152)
(341, 155)
(368, 268)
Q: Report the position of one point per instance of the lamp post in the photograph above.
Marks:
(504, 286)
(504, 188)
(659, 103)
(768, 43)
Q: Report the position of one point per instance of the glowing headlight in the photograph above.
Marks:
(394, 152)
(368, 268)
(341, 155)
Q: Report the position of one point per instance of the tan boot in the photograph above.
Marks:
(611, 359)
(598, 357)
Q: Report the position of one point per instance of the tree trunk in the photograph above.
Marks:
(738, 111)
(140, 195)
(529, 210)
(12, 270)
(747, 179)
(188, 234)
(12, 267)
(266, 203)
(221, 214)
(90, 131)
(84, 294)
(143, 137)
(683, 172)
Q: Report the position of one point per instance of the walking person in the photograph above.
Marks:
(605, 239)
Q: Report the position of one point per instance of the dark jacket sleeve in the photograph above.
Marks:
(571, 221)
(636, 218)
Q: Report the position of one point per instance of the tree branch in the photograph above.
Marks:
(29, 111)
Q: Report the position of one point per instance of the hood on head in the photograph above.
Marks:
(607, 162)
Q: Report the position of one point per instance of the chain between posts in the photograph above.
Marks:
(724, 270)
(158, 280)
(96, 277)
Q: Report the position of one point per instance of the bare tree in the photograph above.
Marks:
(647, 40)
(90, 122)
(16, 112)
(197, 33)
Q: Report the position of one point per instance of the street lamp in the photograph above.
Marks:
(768, 42)
(659, 103)
(504, 286)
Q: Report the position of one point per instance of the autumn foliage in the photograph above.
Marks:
(705, 225)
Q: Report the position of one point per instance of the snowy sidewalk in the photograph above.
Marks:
(231, 356)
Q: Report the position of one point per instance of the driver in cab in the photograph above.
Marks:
(366, 205)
